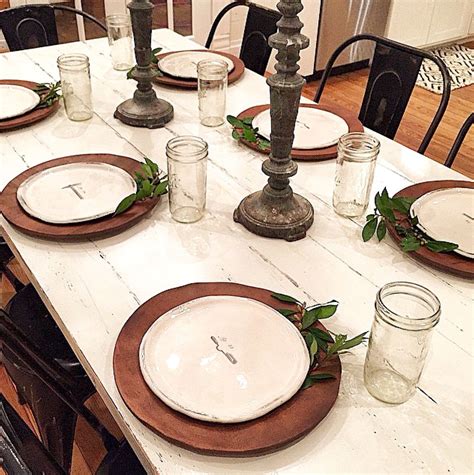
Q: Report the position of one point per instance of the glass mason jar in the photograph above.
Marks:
(405, 315)
(119, 31)
(76, 85)
(355, 166)
(212, 90)
(187, 175)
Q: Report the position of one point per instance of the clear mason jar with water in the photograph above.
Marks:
(212, 91)
(75, 78)
(119, 32)
(355, 165)
(187, 177)
(405, 315)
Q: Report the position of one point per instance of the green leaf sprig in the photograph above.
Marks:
(154, 64)
(242, 129)
(397, 212)
(49, 94)
(321, 344)
(150, 184)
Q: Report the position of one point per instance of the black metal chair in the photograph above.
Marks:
(22, 453)
(260, 24)
(392, 77)
(121, 461)
(6, 257)
(459, 140)
(33, 26)
(47, 374)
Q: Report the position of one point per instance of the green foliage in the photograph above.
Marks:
(49, 94)
(284, 298)
(242, 129)
(321, 344)
(149, 185)
(397, 212)
(314, 378)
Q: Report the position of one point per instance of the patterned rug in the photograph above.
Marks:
(460, 62)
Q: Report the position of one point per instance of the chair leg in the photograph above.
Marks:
(21, 397)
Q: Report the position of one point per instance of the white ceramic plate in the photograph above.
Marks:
(75, 192)
(314, 128)
(448, 215)
(183, 64)
(16, 100)
(223, 359)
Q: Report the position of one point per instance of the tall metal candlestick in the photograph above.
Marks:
(276, 211)
(144, 109)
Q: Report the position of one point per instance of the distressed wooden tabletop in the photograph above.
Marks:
(92, 287)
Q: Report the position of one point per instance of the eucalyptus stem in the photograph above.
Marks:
(151, 183)
(322, 345)
(397, 212)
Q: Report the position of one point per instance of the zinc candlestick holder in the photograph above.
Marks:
(276, 211)
(145, 109)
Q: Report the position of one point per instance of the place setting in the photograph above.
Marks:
(441, 212)
(78, 197)
(318, 128)
(433, 222)
(26, 102)
(180, 68)
(190, 364)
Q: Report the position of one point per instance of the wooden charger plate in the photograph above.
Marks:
(450, 262)
(236, 73)
(108, 225)
(275, 430)
(30, 117)
(325, 153)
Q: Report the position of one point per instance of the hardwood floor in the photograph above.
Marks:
(348, 89)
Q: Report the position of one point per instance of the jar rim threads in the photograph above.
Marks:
(421, 296)
(177, 145)
(72, 61)
(359, 146)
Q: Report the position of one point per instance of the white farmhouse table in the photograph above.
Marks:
(92, 287)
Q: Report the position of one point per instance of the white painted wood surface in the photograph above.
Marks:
(92, 287)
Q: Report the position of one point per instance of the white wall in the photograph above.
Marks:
(471, 27)
(115, 6)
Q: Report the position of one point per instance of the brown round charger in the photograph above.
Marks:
(273, 431)
(317, 154)
(234, 75)
(30, 117)
(450, 262)
(106, 226)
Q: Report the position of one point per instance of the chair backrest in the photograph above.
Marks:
(261, 23)
(393, 73)
(459, 140)
(20, 450)
(29, 27)
(33, 26)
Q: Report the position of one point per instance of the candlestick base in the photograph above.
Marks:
(154, 114)
(270, 214)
